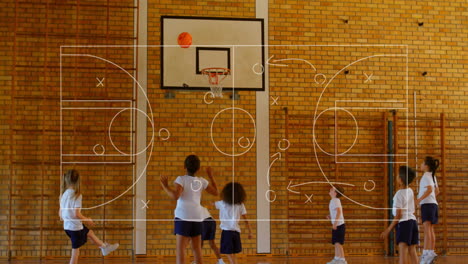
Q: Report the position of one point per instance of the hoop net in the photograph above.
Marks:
(215, 77)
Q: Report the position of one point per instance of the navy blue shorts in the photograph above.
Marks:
(339, 234)
(430, 212)
(187, 228)
(230, 242)
(79, 237)
(208, 229)
(407, 232)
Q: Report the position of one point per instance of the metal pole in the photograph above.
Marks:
(390, 183)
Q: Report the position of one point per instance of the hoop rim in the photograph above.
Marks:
(216, 70)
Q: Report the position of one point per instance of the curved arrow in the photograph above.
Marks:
(271, 164)
(312, 182)
(286, 65)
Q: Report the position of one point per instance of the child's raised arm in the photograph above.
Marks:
(248, 225)
(211, 188)
(174, 194)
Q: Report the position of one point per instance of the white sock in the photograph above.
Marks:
(342, 259)
(424, 251)
(337, 258)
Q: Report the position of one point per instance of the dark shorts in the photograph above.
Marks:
(78, 238)
(430, 212)
(407, 232)
(209, 229)
(187, 228)
(230, 242)
(339, 234)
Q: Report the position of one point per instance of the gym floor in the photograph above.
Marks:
(247, 260)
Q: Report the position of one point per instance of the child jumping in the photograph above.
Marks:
(337, 219)
(231, 209)
(70, 213)
(407, 234)
(428, 189)
(189, 213)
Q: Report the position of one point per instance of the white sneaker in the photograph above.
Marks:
(333, 261)
(423, 259)
(220, 261)
(430, 258)
(108, 248)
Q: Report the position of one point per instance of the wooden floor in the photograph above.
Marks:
(247, 260)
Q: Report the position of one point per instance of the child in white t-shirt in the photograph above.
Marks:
(189, 212)
(337, 219)
(70, 213)
(428, 189)
(407, 234)
(231, 209)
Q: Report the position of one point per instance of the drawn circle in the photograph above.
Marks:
(269, 194)
(243, 146)
(258, 65)
(110, 129)
(288, 144)
(184, 40)
(355, 137)
(101, 147)
(212, 96)
(199, 185)
(255, 132)
(167, 132)
(373, 187)
(324, 78)
(150, 147)
(315, 118)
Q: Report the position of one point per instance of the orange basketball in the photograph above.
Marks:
(184, 40)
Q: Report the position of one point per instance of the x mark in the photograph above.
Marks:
(145, 205)
(275, 100)
(369, 78)
(100, 82)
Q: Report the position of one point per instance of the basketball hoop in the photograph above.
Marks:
(215, 77)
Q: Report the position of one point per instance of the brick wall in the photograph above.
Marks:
(436, 47)
(30, 74)
(188, 119)
(30, 105)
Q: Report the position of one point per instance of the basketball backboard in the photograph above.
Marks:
(190, 44)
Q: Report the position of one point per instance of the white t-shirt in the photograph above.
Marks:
(426, 180)
(335, 203)
(188, 205)
(229, 215)
(404, 199)
(68, 205)
(206, 214)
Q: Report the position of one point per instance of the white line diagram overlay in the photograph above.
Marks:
(246, 143)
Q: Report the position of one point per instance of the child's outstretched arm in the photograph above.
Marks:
(248, 225)
(392, 225)
(174, 194)
(211, 188)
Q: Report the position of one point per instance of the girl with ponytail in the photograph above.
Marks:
(428, 190)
